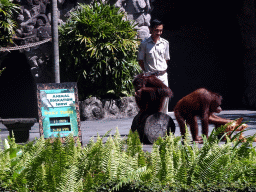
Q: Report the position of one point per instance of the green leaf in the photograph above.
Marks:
(100, 30)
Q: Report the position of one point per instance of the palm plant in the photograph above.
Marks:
(98, 50)
(7, 23)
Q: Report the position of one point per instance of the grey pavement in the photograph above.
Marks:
(90, 129)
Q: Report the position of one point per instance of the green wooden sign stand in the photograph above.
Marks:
(58, 110)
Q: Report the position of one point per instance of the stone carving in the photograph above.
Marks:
(39, 59)
(95, 109)
(139, 11)
(34, 25)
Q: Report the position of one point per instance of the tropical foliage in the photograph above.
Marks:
(119, 164)
(98, 50)
(7, 24)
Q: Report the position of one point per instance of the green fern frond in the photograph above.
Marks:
(156, 160)
(119, 142)
(69, 181)
(182, 171)
(170, 173)
(123, 167)
(134, 145)
(113, 160)
(211, 163)
(132, 176)
(187, 138)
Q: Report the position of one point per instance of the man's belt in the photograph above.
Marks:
(156, 73)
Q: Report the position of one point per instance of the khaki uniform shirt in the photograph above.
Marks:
(154, 54)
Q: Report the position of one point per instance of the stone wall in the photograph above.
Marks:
(95, 109)
(34, 25)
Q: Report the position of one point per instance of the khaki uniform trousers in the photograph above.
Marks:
(164, 79)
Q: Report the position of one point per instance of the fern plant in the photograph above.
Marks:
(43, 166)
(116, 164)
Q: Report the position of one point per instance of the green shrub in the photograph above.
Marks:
(7, 23)
(98, 50)
(122, 165)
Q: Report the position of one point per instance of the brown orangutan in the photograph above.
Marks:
(201, 103)
(150, 92)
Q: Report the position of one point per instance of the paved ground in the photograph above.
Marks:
(91, 128)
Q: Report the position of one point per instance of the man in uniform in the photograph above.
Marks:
(154, 54)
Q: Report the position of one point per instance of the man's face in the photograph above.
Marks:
(157, 31)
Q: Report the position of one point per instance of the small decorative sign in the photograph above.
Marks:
(58, 110)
